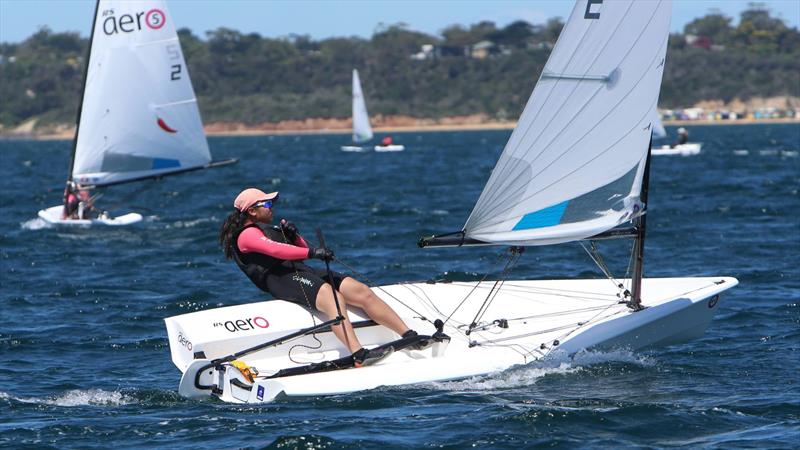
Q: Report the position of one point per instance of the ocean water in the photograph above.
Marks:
(85, 358)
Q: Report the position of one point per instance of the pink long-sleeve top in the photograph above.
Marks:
(253, 240)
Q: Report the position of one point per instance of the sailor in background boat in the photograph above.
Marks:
(77, 202)
(271, 256)
(386, 141)
(683, 137)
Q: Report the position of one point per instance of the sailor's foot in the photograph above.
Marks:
(409, 334)
(363, 357)
(422, 342)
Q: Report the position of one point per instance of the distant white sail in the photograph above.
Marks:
(574, 164)
(362, 131)
(139, 113)
(658, 128)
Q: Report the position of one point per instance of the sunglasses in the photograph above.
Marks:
(266, 204)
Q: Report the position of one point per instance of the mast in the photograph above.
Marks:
(638, 246)
(83, 93)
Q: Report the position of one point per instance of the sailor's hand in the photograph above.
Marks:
(320, 253)
(289, 230)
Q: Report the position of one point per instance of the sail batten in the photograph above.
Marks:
(162, 41)
(573, 164)
(139, 111)
(179, 102)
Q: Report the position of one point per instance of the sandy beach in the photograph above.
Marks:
(342, 126)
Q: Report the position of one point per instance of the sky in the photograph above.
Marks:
(327, 18)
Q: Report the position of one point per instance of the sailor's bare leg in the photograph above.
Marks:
(327, 305)
(360, 295)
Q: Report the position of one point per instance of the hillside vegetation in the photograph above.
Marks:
(252, 79)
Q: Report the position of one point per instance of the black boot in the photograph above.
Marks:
(363, 357)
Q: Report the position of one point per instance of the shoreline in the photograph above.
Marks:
(217, 129)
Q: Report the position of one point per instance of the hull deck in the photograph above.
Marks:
(52, 216)
(688, 149)
(525, 321)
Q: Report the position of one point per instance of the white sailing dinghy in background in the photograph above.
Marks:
(575, 168)
(138, 117)
(687, 149)
(362, 131)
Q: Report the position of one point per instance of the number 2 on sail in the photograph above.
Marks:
(174, 54)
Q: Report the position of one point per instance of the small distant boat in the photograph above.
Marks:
(387, 145)
(138, 117)
(362, 131)
(687, 149)
(53, 215)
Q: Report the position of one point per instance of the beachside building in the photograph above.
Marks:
(483, 49)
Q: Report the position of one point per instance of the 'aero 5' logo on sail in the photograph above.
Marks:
(129, 23)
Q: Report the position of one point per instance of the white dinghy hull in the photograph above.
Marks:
(526, 322)
(688, 149)
(353, 148)
(390, 148)
(52, 216)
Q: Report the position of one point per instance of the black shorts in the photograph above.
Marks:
(298, 283)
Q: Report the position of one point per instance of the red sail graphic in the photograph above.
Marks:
(165, 127)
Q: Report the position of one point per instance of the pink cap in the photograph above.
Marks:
(250, 197)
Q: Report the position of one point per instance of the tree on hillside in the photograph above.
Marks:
(251, 78)
(457, 35)
(516, 34)
(715, 26)
(759, 31)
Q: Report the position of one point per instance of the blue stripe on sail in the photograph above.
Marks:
(546, 217)
(163, 163)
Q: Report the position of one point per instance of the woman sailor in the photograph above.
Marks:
(271, 256)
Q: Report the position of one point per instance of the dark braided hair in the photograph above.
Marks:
(229, 228)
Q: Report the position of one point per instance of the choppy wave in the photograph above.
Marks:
(556, 364)
(77, 397)
(513, 378)
(193, 223)
(34, 224)
(83, 308)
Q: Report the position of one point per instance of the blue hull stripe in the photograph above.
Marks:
(546, 217)
(163, 163)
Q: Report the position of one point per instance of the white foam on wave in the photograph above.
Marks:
(587, 358)
(77, 397)
(192, 223)
(34, 224)
(555, 364)
(517, 377)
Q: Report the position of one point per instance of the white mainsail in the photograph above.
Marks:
(139, 113)
(362, 132)
(574, 164)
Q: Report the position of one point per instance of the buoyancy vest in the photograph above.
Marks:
(258, 265)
